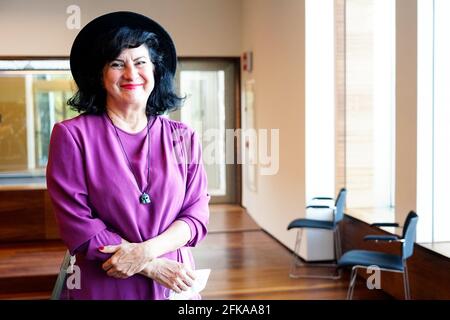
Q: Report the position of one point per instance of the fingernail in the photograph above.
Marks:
(101, 248)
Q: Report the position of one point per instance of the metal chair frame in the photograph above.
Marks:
(337, 217)
(407, 241)
(354, 273)
(297, 262)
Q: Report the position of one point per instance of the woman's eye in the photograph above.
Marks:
(117, 65)
(142, 62)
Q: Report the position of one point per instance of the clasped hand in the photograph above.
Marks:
(127, 259)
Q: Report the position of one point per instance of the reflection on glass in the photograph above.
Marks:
(204, 111)
(30, 103)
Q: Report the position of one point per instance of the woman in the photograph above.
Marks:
(128, 186)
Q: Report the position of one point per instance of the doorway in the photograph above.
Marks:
(211, 108)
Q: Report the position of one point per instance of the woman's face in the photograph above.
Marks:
(128, 80)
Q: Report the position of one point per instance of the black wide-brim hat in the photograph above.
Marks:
(100, 26)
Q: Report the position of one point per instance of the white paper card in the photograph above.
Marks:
(201, 278)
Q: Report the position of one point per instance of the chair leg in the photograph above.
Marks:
(335, 244)
(295, 257)
(338, 251)
(352, 284)
(406, 282)
(296, 262)
(339, 241)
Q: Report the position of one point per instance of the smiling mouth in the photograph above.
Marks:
(131, 86)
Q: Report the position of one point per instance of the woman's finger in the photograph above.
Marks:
(112, 273)
(112, 261)
(107, 265)
(191, 274)
(164, 281)
(176, 288)
(181, 284)
(116, 274)
(187, 281)
(109, 249)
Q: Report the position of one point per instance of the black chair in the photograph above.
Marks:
(393, 237)
(358, 259)
(333, 225)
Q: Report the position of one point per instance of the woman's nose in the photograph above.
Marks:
(130, 72)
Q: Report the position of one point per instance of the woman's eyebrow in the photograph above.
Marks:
(121, 60)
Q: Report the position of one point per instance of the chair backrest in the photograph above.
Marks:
(410, 235)
(340, 205)
(410, 215)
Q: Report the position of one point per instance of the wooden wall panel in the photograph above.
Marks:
(51, 228)
(22, 215)
(26, 215)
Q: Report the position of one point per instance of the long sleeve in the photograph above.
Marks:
(195, 210)
(66, 183)
(103, 238)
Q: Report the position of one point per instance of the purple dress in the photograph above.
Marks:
(95, 196)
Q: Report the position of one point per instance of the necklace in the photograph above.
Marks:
(144, 198)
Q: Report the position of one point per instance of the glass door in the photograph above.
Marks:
(210, 89)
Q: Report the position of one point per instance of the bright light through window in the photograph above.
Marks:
(370, 103)
(320, 119)
(433, 133)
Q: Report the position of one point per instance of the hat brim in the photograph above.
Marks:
(82, 44)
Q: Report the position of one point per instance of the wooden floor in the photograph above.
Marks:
(246, 263)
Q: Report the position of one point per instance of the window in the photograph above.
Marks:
(350, 101)
(33, 97)
(320, 102)
(370, 103)
(433, 130)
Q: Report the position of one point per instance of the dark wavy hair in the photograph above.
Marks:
(91, 96)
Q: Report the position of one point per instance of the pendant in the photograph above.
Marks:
(144, 198)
